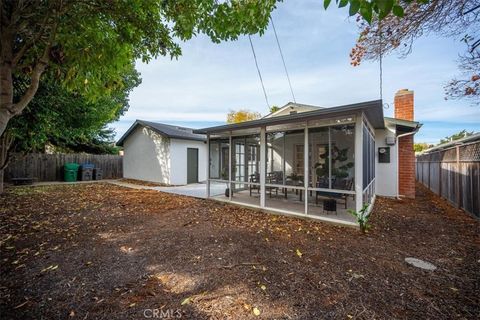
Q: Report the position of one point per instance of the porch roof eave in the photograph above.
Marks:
(373, 110)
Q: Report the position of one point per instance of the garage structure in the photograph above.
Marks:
(163, 153)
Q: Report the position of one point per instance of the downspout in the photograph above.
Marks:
(398, 141)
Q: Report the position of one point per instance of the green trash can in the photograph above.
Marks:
(70, 172)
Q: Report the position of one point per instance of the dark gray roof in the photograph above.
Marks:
(372, 109)
(167, 130)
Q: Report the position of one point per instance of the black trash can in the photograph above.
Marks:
(97, 174)
(86, 172)
(330, 205)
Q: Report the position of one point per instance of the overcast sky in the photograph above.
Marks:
(208, 80)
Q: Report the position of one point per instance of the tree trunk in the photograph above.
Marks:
(8, 109)
(1, 181)
(6, 81)
(6, 141)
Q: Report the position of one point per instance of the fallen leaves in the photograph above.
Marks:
(21, 305)
(50, 268)
(268, 265)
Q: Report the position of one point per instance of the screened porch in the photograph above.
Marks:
(318, 167)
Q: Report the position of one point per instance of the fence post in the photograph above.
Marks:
(440, 178)
(457, 177)
(429, 186)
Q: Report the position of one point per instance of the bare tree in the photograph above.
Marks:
(449, 18)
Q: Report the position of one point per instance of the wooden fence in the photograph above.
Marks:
(454, 174)
(49, 167)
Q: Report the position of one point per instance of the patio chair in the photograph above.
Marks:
(254, 178)
(274, 177)
(343, 184)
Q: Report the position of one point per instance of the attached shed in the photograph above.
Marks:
(163, 153)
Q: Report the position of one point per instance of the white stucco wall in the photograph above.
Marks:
(147, 156)
(178, 157)
(386, 177)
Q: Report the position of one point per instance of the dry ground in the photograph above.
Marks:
(98, 251)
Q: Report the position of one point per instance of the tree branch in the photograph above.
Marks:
(6, 142)
(472, 9)
(43, 26)
(37, 72)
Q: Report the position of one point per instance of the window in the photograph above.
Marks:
(245, 157)
(239, 166)
(299, 160)
(252, 159)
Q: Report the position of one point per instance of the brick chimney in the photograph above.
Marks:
(406, 155)
(404, 104)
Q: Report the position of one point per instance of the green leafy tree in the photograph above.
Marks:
(421, 146)
(375, 9)
(54, 108)
(456, 136)
(87, 45)
(274, 109)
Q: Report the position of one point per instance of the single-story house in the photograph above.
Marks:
(163, 153)
(312, 161)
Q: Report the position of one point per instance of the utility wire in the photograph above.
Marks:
(283, 60)
(381, 56)
(385, 105)
(259, 74)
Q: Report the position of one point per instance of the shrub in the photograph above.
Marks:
(362, 217)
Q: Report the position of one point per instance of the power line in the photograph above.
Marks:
(385, 105)
(283, 60)
(259, 74)
(380, 64)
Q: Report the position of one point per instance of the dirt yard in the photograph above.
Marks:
(98, 251)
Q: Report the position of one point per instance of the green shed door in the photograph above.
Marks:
(192, 165)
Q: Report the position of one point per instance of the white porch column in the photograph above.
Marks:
(263, 164)
(358, 161)
(305, 166)
(230, 186)
(208, 166)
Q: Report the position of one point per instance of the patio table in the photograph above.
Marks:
(294, 183)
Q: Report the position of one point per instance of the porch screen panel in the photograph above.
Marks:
(285, 157)
(284, 172)
(332, 157)
(342, 148)
(245, 187)
(246, 158)
(218, 158)
(368, 157)
(332, 170)
(319, 158)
